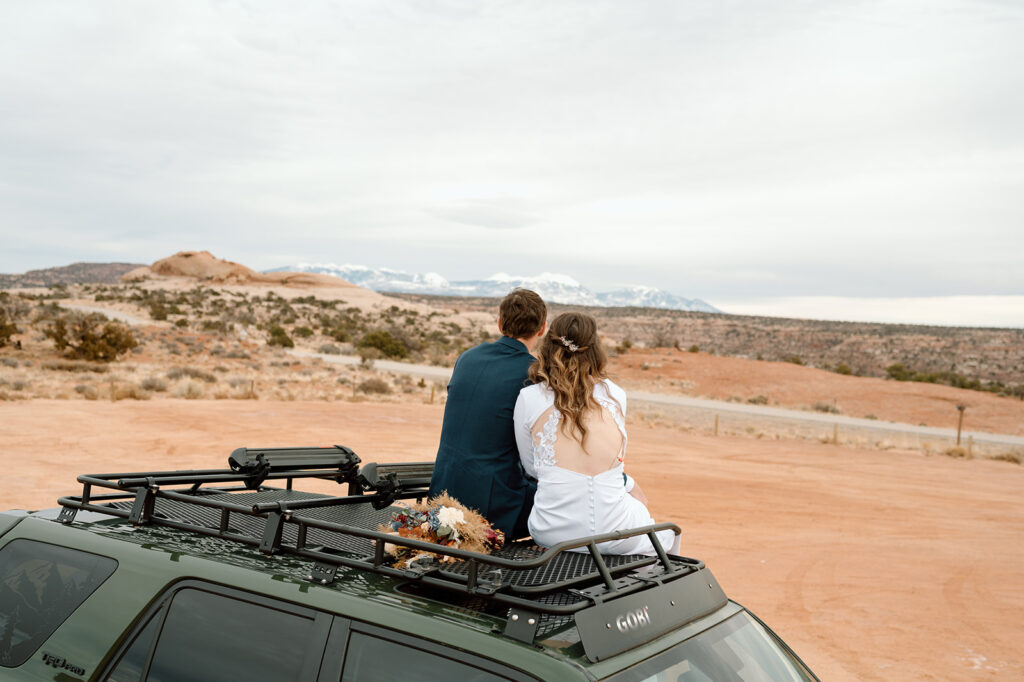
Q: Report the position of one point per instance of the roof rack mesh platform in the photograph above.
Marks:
(539, 587)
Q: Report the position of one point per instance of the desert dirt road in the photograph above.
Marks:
(872, 565)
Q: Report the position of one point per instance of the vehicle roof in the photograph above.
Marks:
(330, 553)
(156, 556)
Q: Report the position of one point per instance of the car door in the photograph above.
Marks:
(202, 632)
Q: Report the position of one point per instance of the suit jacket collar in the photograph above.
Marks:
(514, 344)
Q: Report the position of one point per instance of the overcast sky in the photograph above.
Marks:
(716, 149)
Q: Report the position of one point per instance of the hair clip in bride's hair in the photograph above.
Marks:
(568, 344)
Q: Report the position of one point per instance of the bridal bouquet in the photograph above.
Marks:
(442, 520)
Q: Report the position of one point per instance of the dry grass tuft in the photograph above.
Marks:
(375, 386)
(75, 366)
(189, 390)
(1012, 457)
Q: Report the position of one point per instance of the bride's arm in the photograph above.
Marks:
(524, 437)
(637, 492)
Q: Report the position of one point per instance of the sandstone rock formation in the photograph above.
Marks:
(204, 266)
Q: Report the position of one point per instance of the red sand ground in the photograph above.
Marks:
(872, 565)
(787, 385)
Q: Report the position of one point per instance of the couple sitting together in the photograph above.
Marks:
(537, 445)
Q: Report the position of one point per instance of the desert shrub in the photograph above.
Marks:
(154, 384)
(189, 390)
(871, 416)
(181, 322)
(279, 337)
(83, 338)
(384, 342)
(7, 328)
(367, 356)
(215, 326)
(192, 372)
(14, 307)
(329, 349)
(302, 332)
(8, 362)
(87, 392)
(235, 382)
(758, 400)
(825, 407)
(843, 368)
(795, 359)
(72, 366)
(129, 392)
(1012, 457)
(624, 346)
(694, 348)
(19, 385)
(157, 310)
(662, 338)
(898, 371)
(339, 334)
(375, 385)
(408, 338)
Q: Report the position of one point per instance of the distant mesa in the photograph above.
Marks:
(553, 287)
(205, 267)
(76, 273)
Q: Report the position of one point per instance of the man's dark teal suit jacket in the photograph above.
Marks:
(477, 460)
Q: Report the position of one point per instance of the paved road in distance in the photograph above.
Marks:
(718, 406)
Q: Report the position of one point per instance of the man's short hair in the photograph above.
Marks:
(522, 313)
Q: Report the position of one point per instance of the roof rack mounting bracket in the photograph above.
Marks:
(142, 508)
(67, 515)
(589, 595)
(271, 541)
(322, 573)
(522, 625)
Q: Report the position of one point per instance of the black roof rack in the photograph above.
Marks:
(617, 602)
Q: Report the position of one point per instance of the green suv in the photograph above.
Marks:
(216, 575)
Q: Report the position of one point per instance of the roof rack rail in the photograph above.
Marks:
(314, 526)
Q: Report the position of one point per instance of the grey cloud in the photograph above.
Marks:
(700, 147)
(487, 214)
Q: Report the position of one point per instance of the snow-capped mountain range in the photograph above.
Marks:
(551, 286)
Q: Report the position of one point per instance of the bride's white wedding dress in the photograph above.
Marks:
(570, 504)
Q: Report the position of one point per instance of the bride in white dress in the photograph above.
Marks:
(571, 433)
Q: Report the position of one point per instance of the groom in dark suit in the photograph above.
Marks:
(477, 460)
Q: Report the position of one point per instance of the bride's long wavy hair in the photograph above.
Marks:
(570, 360)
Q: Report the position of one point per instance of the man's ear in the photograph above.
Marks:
(500, 331)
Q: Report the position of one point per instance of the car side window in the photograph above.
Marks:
(375, 659)
(214, 637)
(133, 661)
(40, 586)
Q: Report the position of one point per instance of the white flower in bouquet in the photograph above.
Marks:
(450, 516)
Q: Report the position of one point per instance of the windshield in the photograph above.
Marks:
(738, 649)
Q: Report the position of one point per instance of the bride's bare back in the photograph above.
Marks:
(604, 445)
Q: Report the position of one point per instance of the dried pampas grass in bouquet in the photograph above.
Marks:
(442, 520)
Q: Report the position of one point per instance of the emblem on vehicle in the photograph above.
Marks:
(61, 663)
(633, 620)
